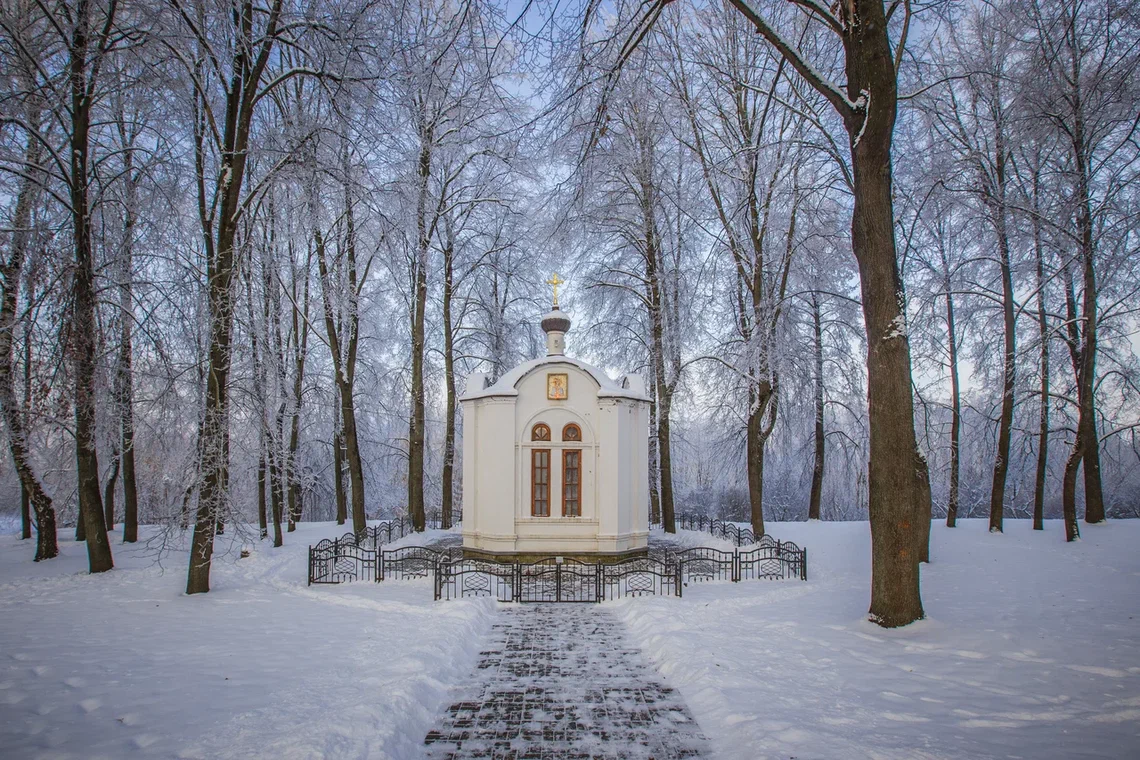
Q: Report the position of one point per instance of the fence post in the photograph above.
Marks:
(803, 566)
(677, 578)
(736, 565)
(516, 594)
(599, 595)
(310, 583)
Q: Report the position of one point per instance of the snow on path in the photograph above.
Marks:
(124, 665)
(561, 681)
(1031, 649)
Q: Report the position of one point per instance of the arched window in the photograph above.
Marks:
(540, 432)
(571, 433)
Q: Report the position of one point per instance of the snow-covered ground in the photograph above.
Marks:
(125, 665)
(1031, 649)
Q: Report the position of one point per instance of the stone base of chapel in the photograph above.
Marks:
(534, 556)
(583, 547)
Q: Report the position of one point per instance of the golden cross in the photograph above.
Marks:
(554, 282)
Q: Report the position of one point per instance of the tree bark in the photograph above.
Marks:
(449, 381)
(922, 487)
(262, 514)
(895, 596)
(654, 466)
(416, 419)
(1069, 492)
(83, 325)
(124, 375)
(818, 461)
(1001, 457)
(15, 418)
(338, 469)
(1043, 332)
(955, 402)
(109, 489)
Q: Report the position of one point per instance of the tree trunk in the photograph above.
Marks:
(109, 489)
(664, 445)
(1086, 379)
(754, 451)
(124, 375)
(895, 596)
(1001, 458)
(344, 366)
(922, 487)
(250, 59)
(276, 499)
(1069, 492)
(15, 418)
(416, 436)
(955, 404)
(818, 462)
(338, 468)
(83, 325)
(654, 466)
(262, 514)
(449, 381)
(1043, 331)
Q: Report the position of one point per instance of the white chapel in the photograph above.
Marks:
(555, 458)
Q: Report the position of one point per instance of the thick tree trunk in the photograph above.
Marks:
(1086, 392)
(250, 59)
(894, 502)
(15, 418)
(818, 461)
(83, 325)
(754, 451)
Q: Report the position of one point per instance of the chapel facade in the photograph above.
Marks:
(555, 458)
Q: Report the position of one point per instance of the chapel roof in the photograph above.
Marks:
(629, 386)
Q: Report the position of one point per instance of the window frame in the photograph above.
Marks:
(577, 432)
(566, 485)
(540, 432)
(534, 468)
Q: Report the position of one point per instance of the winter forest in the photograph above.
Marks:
(249, 252)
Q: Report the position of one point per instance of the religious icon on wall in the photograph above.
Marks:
(557, 386)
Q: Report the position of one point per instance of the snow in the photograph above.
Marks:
(607, 387)
(125, 665)
(1030, 649)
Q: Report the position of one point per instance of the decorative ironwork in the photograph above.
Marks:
(355, 556)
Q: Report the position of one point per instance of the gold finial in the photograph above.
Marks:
(554, 282)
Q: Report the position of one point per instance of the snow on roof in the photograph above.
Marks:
(629, 386)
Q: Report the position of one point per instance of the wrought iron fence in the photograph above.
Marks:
(415, 561)
(556, 579)
(769, 559)
(719, 528)
(356, 556)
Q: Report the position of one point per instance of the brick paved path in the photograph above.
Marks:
(560, 681)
